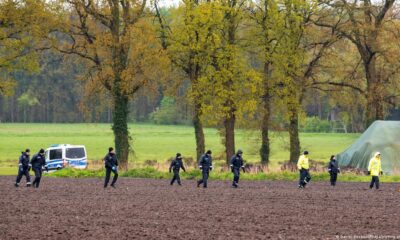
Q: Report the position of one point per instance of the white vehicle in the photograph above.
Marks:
(59, 156)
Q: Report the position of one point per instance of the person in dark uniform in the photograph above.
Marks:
(236, 164)
(24, 167)
(205, 165)
(333, 169)
(176, 165)
(111, 164)
(38, 162)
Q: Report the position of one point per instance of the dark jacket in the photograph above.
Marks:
(176, 165)
(38, 161)
(24, 160)
(110, 160)
(333, 166)
(237, 162)
(205, 162)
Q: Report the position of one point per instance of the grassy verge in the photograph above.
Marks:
(159, 142)
(8, 171)
(153, 173)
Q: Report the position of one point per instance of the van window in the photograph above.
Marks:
(75, 153)
(55, 154)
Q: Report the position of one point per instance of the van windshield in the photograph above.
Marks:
(75, 153)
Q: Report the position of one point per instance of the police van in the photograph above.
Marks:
(59, 156)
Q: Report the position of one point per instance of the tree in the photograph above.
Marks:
(119, 43)
(362, 23)
(24, 27)
(235, 85)
(27, 100)
(190, 38)
(230, 70)
(263, 38)
(300, 52)
(166, 113)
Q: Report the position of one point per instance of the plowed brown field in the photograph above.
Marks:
(152, 209)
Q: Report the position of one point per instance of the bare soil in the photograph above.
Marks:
(65, 208)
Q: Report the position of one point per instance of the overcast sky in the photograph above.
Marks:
(167, 3)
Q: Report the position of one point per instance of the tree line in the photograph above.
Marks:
(260, 64)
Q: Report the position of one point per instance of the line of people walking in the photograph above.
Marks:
(38, 163)
(374, 169)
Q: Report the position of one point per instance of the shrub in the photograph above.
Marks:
(314, 124)
(77, 173)
(166, 113)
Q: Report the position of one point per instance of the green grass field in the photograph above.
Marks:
(155, 142)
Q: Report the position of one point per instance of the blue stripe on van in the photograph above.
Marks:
(54, 164)
(58, 163)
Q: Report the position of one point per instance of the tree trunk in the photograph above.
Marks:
(380, 115)
(294, 136)
(120, 129)
(229, 121)
(24, 112)
(198, 131)
(229, 124)
(109, 114)
(121, 101)
(265, 144)
(374, 110)
(13, 109)
(47, 108)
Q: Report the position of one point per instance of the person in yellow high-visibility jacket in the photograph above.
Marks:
(375, 169)
(303, 165)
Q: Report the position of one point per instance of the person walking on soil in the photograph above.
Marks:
(38, 162)
(333, 169)
(236, 164)
(111, 165)
(24, 166)
(303, 165)
(375, 169)
(205, 165)
(176, 165)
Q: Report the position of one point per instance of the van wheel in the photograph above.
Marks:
(58, 168)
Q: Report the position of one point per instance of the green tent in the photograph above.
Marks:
(381, 136)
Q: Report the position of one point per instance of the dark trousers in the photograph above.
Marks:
(333, 178)
(38, 176)
(304, 177)
(236, 176)
(23, 171)
(204, 179)
(374, 180)
(176, 177)
(108, 173)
